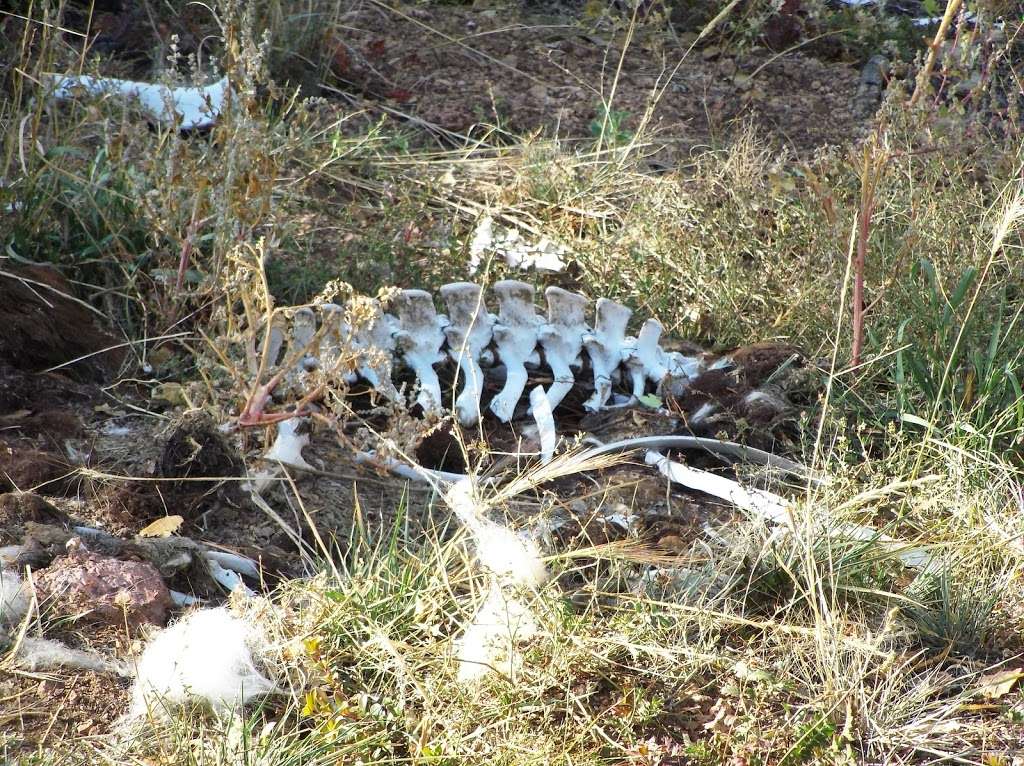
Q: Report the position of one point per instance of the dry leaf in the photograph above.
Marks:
(996, 685)
(164, 527)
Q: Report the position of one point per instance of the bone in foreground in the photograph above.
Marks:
(468, 333)
(515, 334)
(561, 337)
(419, 337)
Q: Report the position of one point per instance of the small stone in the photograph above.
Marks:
(104, 589)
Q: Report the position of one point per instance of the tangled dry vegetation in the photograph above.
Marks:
(736, 641)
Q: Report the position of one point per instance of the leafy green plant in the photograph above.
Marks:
(609, 127)
(953, 366)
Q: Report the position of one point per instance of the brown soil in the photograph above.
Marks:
(462, 69)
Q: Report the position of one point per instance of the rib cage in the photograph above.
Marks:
(517, 337)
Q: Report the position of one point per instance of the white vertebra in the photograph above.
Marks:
(301, 339)
(468, 333)
(376, 343)
(561, 337)
(515, 334)
(604, 345)
(420, 337)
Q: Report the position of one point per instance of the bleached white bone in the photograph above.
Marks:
(545, 419)
(336, 335)
(195, 107)
(274, 340)
(376, 341)
(644, 358)
(604, 346)
(287, 447)
(468, 332)
(680, 370)
(561, 337)
(515, 335)
(301, 338)
(420, 337)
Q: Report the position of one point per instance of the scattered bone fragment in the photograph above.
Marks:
(468, 333)
(561, 337)
(515, 335)
(766, 505)
(545, 419)
(419, 337)
(604, 346)
(187, 108)
(287, 447)
(517, 251)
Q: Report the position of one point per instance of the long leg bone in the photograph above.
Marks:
(604, 345)
(419, 338)
(468, 333)
(515, 334)
(562, 339)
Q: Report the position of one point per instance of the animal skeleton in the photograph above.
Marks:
(480, 343)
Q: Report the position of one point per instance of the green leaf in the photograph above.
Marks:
(650, 400)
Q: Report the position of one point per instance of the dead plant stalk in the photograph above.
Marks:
(873, 163)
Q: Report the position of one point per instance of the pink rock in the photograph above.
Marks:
(104, 589)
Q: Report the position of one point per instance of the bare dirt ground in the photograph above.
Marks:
(459, 70)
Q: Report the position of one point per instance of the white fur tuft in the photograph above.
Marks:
(207, 656)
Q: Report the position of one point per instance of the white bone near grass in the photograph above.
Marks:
(376, 341)
(561, 337)
(419, 337)
(287, 447)
(545, 419)
(765, 505)
(469, 331)
(517, 252)
(777, 510)
(207, 656)
(515, 335)
(188, 107)
(604, 346)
